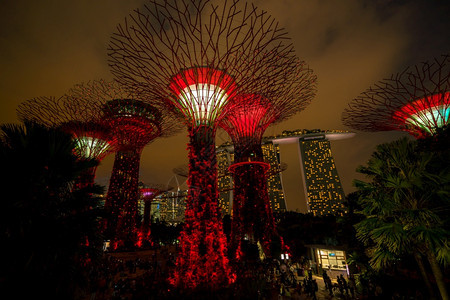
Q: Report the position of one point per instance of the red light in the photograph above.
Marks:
(201, 94)
(422, 104)
(202, 76)
(424, 115)
(265, 166)
(202, 259)
(247, 117)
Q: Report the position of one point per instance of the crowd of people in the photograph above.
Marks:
(145, 276)
(345, 287)
(132, 277)
(305, 283)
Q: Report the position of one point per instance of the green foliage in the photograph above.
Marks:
(49, 233)
(405, 203)
(299, 230)
(164, 233)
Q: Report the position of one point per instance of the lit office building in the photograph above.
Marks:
(275, 188)
(170, 206)
(224, 155)
(323, 188)
(155, 210)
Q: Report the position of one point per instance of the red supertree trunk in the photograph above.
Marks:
(248, 117)
(202, 260)
(252, 215)
(122, 199)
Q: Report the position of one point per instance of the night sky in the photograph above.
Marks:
(48, 46)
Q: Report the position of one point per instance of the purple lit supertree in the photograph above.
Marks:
(92, 136)
(134, 124)
(149, 192)
(248, 117)
(196, 55)
(416, 100)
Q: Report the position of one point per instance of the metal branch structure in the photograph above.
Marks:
(196, 55)
(246, 121)
(92, 136)
(134, 124)
(416, 100)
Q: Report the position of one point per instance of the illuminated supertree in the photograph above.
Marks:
(248, 117)
(149, 192)
(92, 136)
(134, 124)
(196, 55)
(416, 100)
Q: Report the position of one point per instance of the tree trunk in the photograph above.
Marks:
(437, 275)
(424, 273)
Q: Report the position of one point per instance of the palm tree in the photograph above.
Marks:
(405, 204)
(44, 224)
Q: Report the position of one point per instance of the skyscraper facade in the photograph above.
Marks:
(323, 188)
(324, 191)
(275, 188)
(225, 155)
(170, 206)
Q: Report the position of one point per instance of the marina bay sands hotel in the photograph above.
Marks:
(321, 183)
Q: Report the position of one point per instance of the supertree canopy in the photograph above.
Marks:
(416, 100)
(134, 124)
(196, 55)
(92, 136)
(93, 140)
(201, 93)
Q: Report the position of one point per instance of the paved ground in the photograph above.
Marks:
(149, 255)
(321, 294)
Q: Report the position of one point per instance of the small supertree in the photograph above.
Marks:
(92, 136)
(149, 192)
(416, 100)
(195, 56)
(134, 124)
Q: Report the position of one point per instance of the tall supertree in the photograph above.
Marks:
(196, 55)
(92, 136)
(135, 123)
(201, 94)
(416, 100)
(246, 121)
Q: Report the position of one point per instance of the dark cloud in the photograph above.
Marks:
(47, 46)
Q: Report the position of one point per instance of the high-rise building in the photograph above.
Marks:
(225, 157)
(323, 189)
(323, 186)
(274, 185)
(170, 206)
